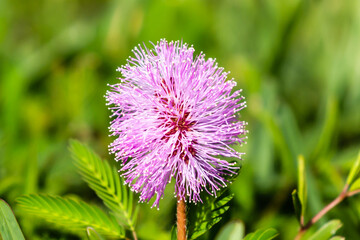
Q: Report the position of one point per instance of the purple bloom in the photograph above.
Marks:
(174, 117)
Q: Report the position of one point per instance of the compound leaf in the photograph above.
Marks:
(106, 183)
(205, 215)
(73, 215)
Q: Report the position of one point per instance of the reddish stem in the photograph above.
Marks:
(181, 219)
(352, 193)
(344, 194)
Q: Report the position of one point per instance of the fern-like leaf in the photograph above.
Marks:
(205, 215)
(106, 183)
(93, 235)
(73, 215)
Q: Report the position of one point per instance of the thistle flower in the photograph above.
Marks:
(174, 116)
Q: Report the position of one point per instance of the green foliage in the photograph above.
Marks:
(70, 214)
(355, 185)
(232, 231)
(203, 216)
(92, 234)
(297, 61)
(297, 204)
(329, 229)
(326, 231)
(337, 238)
(174, 233)
(302, 187)
(354, 172)
(262, 234)
(327, 128)
(106, 182)
(9, 227)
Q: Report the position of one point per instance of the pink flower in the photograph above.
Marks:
(174, 116)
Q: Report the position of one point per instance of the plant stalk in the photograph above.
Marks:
(134, 235)
(181, 219)
(344, 194)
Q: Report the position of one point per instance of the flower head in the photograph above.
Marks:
(174, 117)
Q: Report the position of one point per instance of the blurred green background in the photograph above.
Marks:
(298, 62)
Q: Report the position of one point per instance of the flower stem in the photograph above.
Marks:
(181, 219)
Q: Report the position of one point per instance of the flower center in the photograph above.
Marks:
(176, 121)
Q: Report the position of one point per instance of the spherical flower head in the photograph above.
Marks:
(174, 116)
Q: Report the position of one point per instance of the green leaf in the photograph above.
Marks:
(280, 141)
(106, 183)
(232, 231)
(337, 238)
(302, 187)
(262, 234)
(73, 215)
(9, 227)
(174, 233)
(355, 185)
(93, 235)
(297, 204)
(203, 216)
(327, 230)
(354, 171)
(327, 126)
